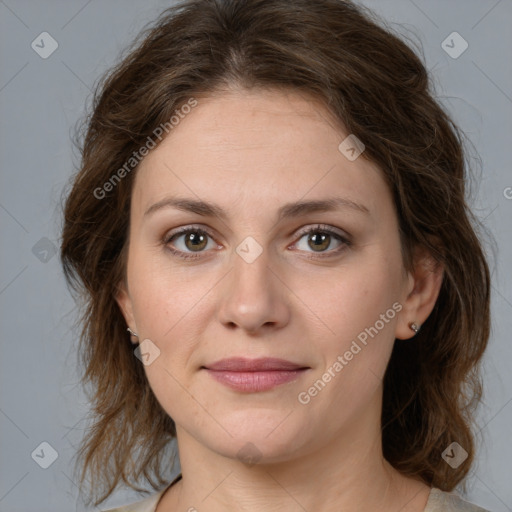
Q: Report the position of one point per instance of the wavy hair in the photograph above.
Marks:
(378, 87)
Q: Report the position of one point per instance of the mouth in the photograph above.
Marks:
(253, 375)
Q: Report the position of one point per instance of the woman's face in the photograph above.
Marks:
(250, 170)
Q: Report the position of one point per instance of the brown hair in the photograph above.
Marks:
(379, 89)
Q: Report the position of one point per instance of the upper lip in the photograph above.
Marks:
(241, 364)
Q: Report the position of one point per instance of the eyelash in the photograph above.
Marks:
(319, 228)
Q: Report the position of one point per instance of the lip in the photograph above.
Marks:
(242, 364)
(253, 375)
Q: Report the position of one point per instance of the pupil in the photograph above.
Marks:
(319, 241)
(196, 240)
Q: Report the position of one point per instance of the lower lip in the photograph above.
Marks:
(255, 381)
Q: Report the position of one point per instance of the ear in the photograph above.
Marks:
(421, 292)
(125, 304)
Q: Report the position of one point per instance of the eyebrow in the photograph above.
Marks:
(289, 210)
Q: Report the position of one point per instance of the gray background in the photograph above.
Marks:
(40, 102)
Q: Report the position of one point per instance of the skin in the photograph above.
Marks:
(250, 153)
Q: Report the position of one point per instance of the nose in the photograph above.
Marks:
(253, 296)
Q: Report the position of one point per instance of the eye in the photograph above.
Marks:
(320, 238)
(189, 240)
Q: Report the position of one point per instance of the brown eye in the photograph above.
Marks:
(322, 240)
(319, 241)
(187, 241)
(195, 241)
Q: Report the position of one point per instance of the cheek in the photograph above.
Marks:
(164, 295)
(360, 309)
(355, 357)
(168, 310)
(354, 296)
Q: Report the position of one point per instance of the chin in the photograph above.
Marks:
(258, 436)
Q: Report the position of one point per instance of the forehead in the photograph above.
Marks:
(271, 146)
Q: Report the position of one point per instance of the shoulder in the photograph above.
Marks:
(146, 505)
(440, 501)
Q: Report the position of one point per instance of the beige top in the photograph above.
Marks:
(438, 501)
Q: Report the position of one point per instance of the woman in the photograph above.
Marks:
(278, 266)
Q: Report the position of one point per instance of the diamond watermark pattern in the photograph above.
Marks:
(249, 454)
(351, 147)
(454, 455)
(249, 250)
(45, 455)
(147, 352)
(44, 250)
(454, 45)
(44, 45)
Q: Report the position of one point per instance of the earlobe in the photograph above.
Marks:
(422, 291)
